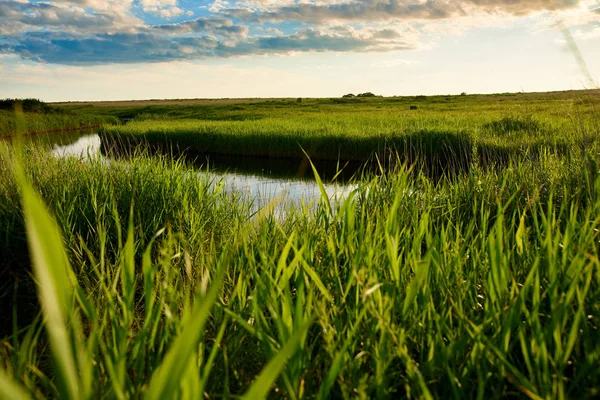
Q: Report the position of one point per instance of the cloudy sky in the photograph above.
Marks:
(139, 49)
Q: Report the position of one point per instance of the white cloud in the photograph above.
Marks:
(163, 8)
(158, 3)
(168, 12)
(75, 17)
(219, 5)
(274, 31)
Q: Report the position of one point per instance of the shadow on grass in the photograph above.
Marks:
(436, 153)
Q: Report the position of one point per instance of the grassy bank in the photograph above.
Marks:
(436, 131)
(92, 200)
(484, 286)
(31, 116)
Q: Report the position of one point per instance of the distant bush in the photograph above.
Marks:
(413, 107)
(421, 97)
(348, 95)
(463, 94)
(299, 100)
(27, 105)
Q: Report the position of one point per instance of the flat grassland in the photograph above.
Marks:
(446, 128)
(155, 283)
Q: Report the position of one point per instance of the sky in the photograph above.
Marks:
(76, 50)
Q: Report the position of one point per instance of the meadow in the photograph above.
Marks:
(151, 282)
(437, 131)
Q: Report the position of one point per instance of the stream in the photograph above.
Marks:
(259, 180)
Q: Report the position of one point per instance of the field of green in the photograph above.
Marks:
(138, 278)
(438, 130)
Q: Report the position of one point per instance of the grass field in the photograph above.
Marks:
(438, 131)
(153, 283)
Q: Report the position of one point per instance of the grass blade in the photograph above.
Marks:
(165, 381)
(337, 364)
(324, 194)
(263, 384)
(53, 275)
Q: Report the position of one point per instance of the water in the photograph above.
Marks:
(84, 147)
(282, 193)
(282, 183)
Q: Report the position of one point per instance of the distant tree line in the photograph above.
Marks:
(367, 94)
(27, 105)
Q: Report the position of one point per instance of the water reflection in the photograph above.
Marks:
(279, 168)
(85, 147)
(59, 139)
(262, 190)
(264, 183)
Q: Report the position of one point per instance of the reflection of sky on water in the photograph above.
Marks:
(261, 190)
(85, 147)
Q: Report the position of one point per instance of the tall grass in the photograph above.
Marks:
(483, 286)
(91, 200)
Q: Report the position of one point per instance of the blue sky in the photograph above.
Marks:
(137, 49)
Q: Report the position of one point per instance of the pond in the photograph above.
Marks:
(259, 180)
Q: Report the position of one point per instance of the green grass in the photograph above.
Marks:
(439, 132)
(90, 200)
(484, 286)
(138, 278)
